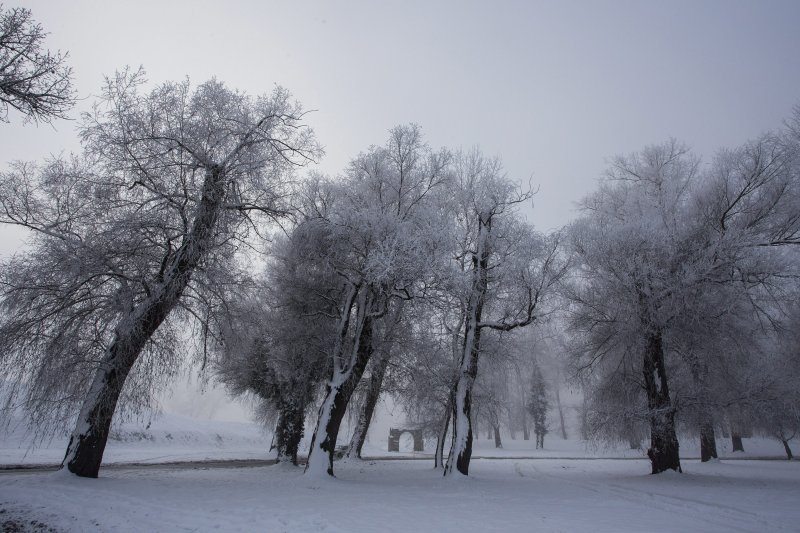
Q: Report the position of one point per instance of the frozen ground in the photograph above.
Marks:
(500, 495)
(568, 486)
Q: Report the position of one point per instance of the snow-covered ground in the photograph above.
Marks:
(568, 486)
(500, 495)
(167, 438)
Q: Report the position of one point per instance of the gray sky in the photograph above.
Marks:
(554, 88)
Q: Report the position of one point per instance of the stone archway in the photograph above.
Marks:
(394, 439)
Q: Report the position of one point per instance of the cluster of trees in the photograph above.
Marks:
(406, 260)
(184, 219)
(683, 299)
(514, 392)
(157, 224)
(140, 232)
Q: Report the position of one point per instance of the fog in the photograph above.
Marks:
(554, 89)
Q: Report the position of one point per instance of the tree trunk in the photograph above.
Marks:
(585, 430)
(289, 431)
(497, 442)
(633, 434)
(526, 432)
(340, 387)
(708, 442)
(438, 460)
(736, 442)
(475, 419)
(561, 414)
(788, 450)
(370, 401)
(663, 452)
(461, 450)
(88, 440)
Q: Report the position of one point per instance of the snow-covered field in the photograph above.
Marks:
(167, 438)
(500, 495)
(568, 486)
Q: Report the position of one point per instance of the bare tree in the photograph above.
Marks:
(511, 271)
(33, 80)
(626, 244)
(151, 218)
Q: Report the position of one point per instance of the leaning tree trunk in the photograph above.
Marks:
(708, 441)
(663, 452)
(289, 431)
(371, 400)
(461, 450)
(339, 390)
(788, 450)
(88, 440)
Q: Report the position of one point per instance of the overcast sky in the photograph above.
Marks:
(554, 88)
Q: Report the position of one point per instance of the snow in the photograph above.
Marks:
(318, 460)
(168, 438)
(499, 495)
(568, 486)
